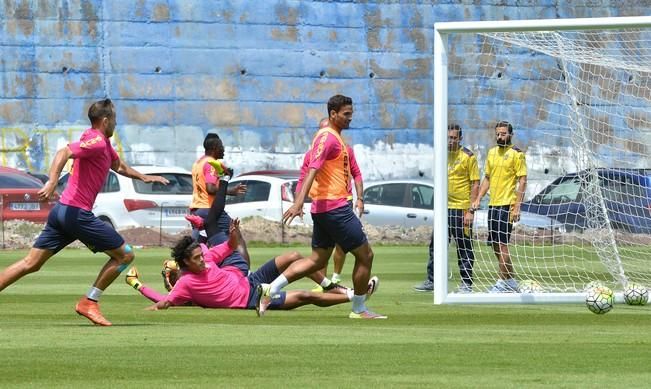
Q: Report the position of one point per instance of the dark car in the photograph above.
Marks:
(19, 197)
(625, 194)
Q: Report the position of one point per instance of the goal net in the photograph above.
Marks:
(578, 93)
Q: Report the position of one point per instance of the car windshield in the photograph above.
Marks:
(13, 180)
(180, 183)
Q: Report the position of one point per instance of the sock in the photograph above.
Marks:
(325, 283)
(358, 303)
(278, 284)
(94, 294)
(350, 293)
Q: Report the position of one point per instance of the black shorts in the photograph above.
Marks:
(264, 275)
(339, 226)
(499, 224)
(66, 223)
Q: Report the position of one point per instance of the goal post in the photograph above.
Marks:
(578, 92)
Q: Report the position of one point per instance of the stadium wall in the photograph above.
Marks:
(258, 73)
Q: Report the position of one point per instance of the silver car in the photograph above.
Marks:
(406, 203)
(409, 203)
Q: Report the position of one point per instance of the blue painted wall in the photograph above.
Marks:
(256, 72)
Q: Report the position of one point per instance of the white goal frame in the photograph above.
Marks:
(440, 222)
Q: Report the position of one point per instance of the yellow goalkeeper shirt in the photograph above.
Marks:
(462, 170)
(504, 165)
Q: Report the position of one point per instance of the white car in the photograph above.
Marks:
(127, 203)
(409, 203)
(269, 193)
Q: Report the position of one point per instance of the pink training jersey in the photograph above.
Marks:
(214, 287)
(93, 156)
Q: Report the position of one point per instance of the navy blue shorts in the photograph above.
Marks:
(338, 226)
(499, 224)
(203, 213)
(265, 275)
(66, 223)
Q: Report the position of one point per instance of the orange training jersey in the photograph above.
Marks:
(332, 180)
(200, 197)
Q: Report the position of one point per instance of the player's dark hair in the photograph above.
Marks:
(336, 102)
(504, 123)
(455, 127)
(183, 249)
(101, 109)
(211, 142)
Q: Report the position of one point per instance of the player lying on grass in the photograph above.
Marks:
(204, 283)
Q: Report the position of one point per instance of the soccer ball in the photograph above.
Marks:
(636, 294)
(600, 300)
(530, 286)
(593, 284)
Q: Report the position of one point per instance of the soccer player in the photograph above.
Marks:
(327, 182)
(463, 185)
(204, 282)
(213, 227)
(505, 175)
(205, 179)
(72, 218)
(206, 174)
(339, 257)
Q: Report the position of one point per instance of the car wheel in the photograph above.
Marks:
(107, 221)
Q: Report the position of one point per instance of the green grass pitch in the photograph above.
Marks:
(43, 343)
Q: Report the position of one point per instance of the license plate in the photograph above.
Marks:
(25, 206)
(176, 211)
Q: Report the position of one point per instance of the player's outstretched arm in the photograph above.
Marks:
(297, 208)
(159, 305)
(234, 234)
(123, 169)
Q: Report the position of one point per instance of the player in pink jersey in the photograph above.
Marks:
(339, 256)
(71, 218)
(206, 284)
(334, 222)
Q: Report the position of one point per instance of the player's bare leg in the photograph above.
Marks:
(30, 264)
(88, 306)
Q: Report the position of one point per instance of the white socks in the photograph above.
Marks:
(325, 282)
(277, 285)
(94, 294)
(358, 303)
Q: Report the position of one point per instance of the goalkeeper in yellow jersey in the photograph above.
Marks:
(505, 175)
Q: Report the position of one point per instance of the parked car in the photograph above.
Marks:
(125, 203)
(406, 203)
(40, 176)
(269, 193)
(19, 197)
(626, 195)
(409, 203)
